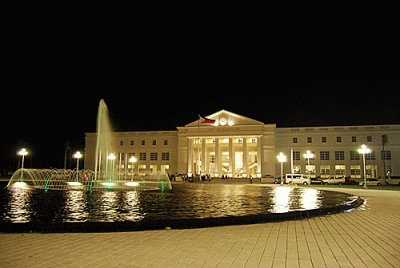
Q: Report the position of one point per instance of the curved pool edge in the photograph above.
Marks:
(92, 227)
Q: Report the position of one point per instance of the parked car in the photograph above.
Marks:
(277, 180)
(350, 181)
(297, 178)
(392, 180)
(371, 181)
(268, 179)
(316, 181)
(334, 180)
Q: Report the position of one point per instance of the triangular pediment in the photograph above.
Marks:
(226, 118)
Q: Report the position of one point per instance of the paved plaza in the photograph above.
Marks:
(369, 236)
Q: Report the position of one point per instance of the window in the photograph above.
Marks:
(253, 140)
(370, 156)
(340, 170)
(309, 139)
(323, 139)
(142, 156)
(339, 155)
(295, 140)
(132, 143)
(353, 139)
(386, 155)
(296, 155)
(324, 155)
(165, 156)
(369, 138)
(325, 171)
(354, 155)
(355, 171)
(143, 142)
(121, 143)
(154, 142)
(240, 140)
(153, 156)
(338, 139)
(165, 142)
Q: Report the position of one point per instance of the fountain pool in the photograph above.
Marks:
(187, 205)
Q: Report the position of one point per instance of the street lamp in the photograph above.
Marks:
(22, 153)
(308, 155)
(78, 156)
(281, 158)
(132, 160)
(364, 150)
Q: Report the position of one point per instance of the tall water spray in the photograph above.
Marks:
(105, 157)
(107, 174)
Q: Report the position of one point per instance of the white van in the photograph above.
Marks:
(297, 178)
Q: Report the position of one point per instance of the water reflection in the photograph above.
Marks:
(75, 206)
(132, 207)
(310, 198)
(108, 206)
(185, 201)
(19, 207)
(281, 196)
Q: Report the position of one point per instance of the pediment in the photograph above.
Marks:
(226, 118)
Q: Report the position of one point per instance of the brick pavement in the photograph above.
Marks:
(369, 236)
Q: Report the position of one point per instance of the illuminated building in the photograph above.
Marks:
(238, 146)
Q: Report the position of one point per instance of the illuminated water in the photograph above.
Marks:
(155, 209)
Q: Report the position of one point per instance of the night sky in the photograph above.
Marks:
(52, 97)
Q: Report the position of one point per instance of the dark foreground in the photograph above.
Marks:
(368, 236)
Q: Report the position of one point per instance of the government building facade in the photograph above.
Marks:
(232, 145)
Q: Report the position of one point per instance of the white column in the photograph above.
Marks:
(231, 157)
(119, 166)
(259, 156)
(190, 156)
(245, 162)
(126, 166)
(217, 158)
(203, 156)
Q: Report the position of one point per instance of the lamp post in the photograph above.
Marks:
(308, 155)
(132, 160)
(22, 153)
(78, 156)
(281, 158)
(364, 150)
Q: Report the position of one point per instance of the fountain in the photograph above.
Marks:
(60, 200)
(105, 176)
